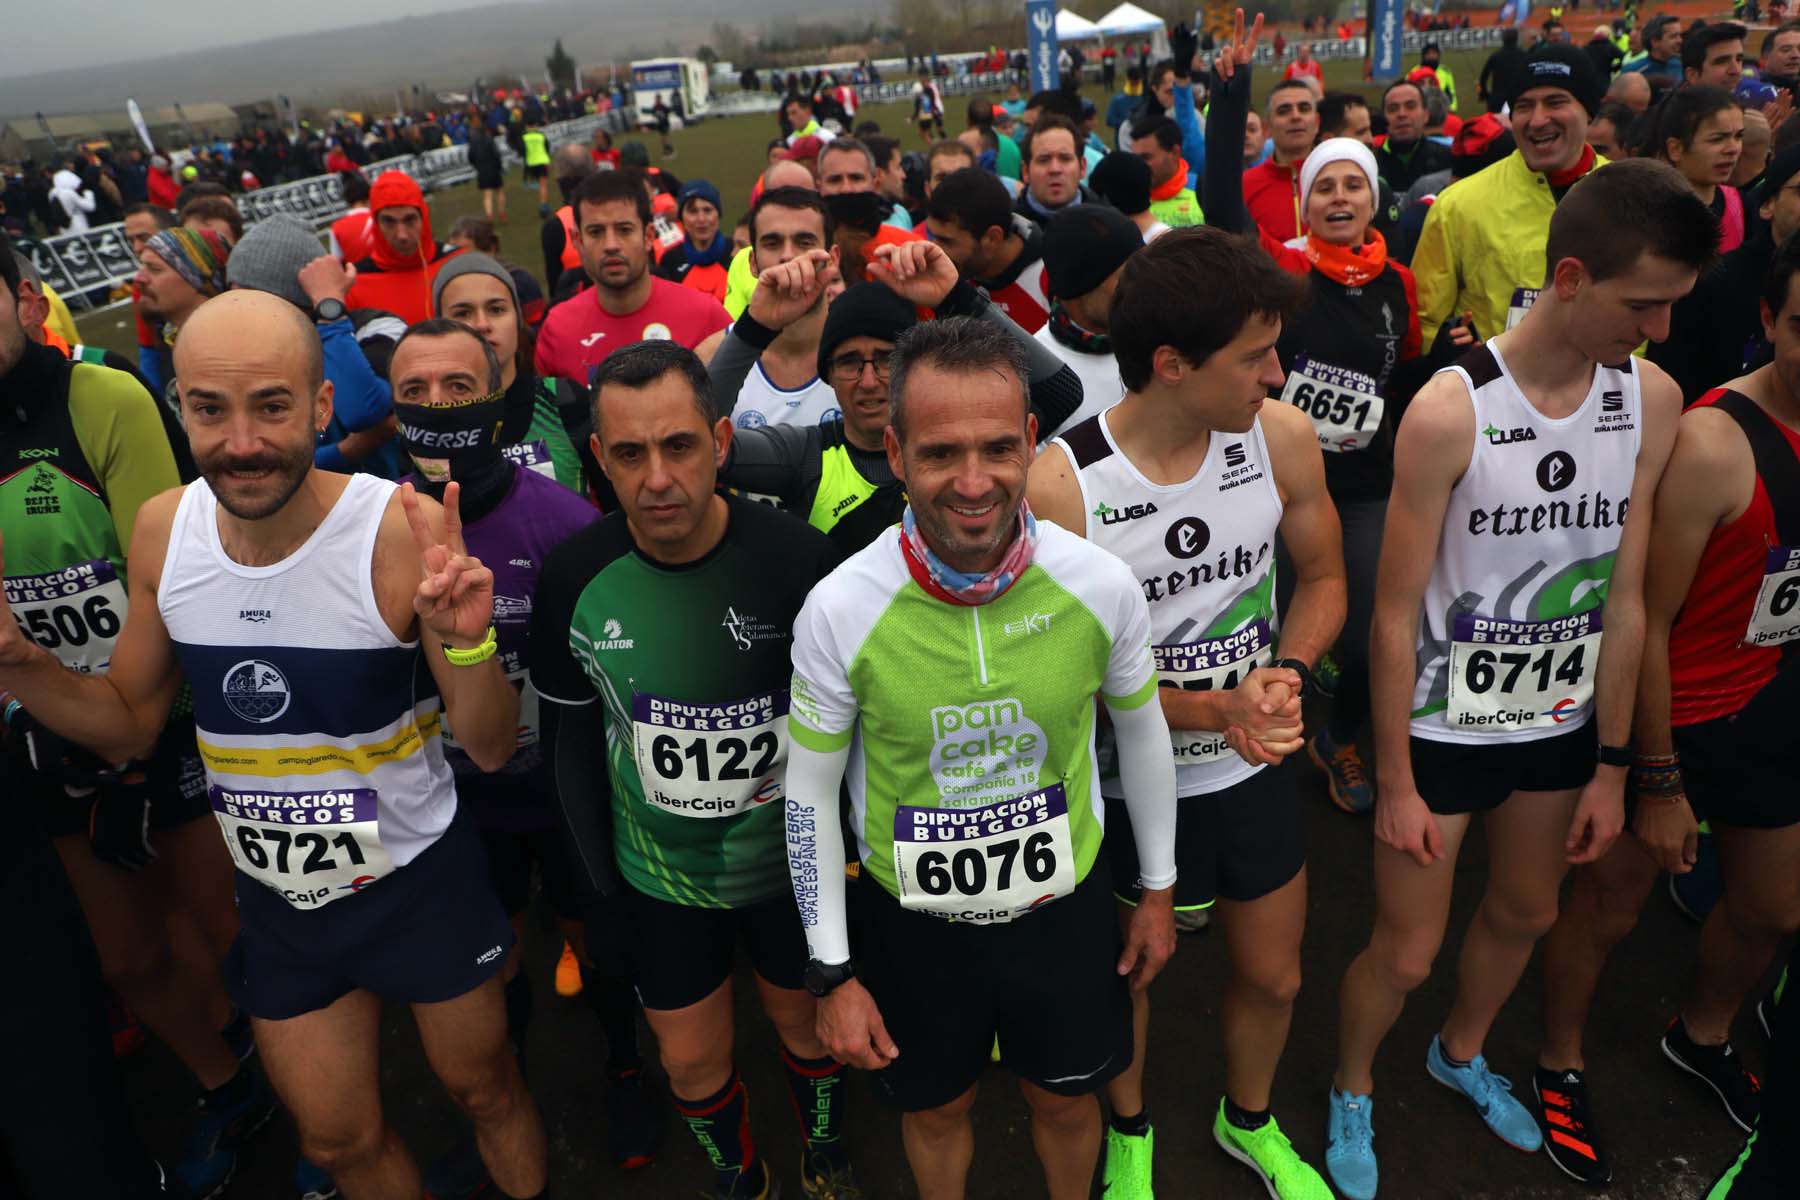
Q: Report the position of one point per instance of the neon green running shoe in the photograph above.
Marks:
(1128, 1165)
(1267, 1151)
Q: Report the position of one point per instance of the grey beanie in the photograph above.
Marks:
(471, 262)
(269, 256)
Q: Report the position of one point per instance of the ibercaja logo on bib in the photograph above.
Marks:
(985, 752)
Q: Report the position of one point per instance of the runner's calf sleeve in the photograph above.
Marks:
(816, 1086)
(721, 1124)
(1147, 773)
(815, 841)
(614, 1002)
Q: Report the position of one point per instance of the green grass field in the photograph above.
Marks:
(731, 152)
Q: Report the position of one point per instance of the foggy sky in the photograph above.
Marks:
(91, 32)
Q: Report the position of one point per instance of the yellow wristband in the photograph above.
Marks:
(474, 655)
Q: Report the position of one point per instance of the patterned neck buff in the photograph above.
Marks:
(961, 587)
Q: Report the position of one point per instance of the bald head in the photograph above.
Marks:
(1632, 89)
(254, 399)
(789, 173)
(574, 163)
(255, 327)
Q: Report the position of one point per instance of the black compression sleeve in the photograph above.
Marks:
(1055, 400)
(574, 738)
(1224, 176)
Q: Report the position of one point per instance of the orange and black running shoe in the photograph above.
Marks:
(1569, 1136)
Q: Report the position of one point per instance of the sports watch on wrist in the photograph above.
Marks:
(1309, 683)
(1616, 756)
(821, 979)
(329, 309)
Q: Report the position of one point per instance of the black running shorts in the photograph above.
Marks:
(680, 954)
(1454, 777)
(431, 931)
(1045, 985)
(1240, 843)
(1737, 769)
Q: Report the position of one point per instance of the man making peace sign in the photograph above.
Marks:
(300, 605)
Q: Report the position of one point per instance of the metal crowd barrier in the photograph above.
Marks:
(81, 265)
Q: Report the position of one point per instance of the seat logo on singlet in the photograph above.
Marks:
(1556, 470)
(256, 691)
(1234, 454)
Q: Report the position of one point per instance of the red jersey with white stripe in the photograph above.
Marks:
(1026, 299)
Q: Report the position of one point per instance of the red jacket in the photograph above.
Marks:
(1272, 194)
(385, 280)
(162, 188)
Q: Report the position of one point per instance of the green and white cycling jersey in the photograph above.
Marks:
(973, 786)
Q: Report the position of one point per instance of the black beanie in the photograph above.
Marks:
(1557, 64)
(1085, 244)
(866, 310)
(1781, 168)
(1123, 181)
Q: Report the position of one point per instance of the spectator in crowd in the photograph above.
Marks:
(159, 182)
(1054, 167)
(216, 213)
(1713, 56)
(475, 233)
(1632, 89)
(351, 234)
(73, 201)
(490, 171)
(403, 257)
(1496, 72)
(1123, 181)
(700, 260)
(1662, 51)
(1272, 189)
(1407, 153)
(178, 271)
(990, 244)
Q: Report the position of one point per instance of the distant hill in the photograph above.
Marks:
(444, 51)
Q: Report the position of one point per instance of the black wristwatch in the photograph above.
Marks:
(329, 309)
(821, 979)
(1615, 756)
(1309, 683)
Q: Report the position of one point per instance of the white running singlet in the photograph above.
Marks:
(1204, 553)
(760, 402)
(320, 730)
(1101, 387)
(1509, 635)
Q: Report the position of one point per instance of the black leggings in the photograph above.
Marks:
(64, 1127)
(1363, 521)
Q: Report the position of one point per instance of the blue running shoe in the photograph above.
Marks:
(311, 1182)
(1491, 1095)
(1350, 1145)
(225, 1125)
